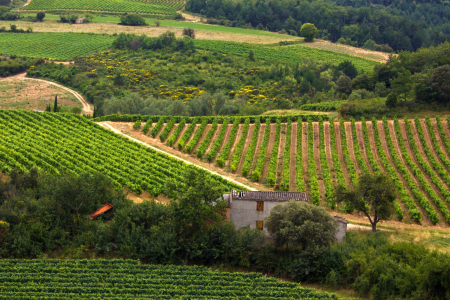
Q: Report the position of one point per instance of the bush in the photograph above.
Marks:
(40, 16)
(132, 20)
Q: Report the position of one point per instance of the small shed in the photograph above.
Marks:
(80, 20)
(101, 210)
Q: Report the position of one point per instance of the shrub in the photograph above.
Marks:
(132, 20)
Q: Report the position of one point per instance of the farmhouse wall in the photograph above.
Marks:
(243, 212)
(342, 228)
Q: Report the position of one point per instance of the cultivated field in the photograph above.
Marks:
(315, 156)
(28, 94)
(128, 279)
(167, 7)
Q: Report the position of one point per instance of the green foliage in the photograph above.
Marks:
(137, 125)
(299, 182)
(309, 32)
(273, 162)
(324, 164)
(223, 156)
(249, 156)
(49, 46)
(322, 106)
(312, 168)
(236, 158)
(336, 163)
(211, 155)
(147, 126)
(285, 182)
(187, 134)
(176, 133)
(29, 141)
(207, 140)
(17, 65)
(166, 131)
(256, 174)
(153, 6)
(297, 224)
(374, 196)
(157, 127)
(198, 134)
(132, 20)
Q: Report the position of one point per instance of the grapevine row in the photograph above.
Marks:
(147, 126)
(204, 144)
(165, 133)
(157, 127)
(415, 214)
(287, 159)
(436, 146)
(193, 142)
(299, 182)
(359, 158)
(223, 156)
(336, 163)
(313, 182)
(273, 163)
(176, 133)
(348, 160)
(444, 138)
(187, 134)
(324, 164)
(256, 174)
(251, 149)
(240, 146)
(218, 142)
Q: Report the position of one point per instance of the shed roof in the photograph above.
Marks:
(269, 196)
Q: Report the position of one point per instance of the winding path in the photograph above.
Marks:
(107, 126)
(86, 107)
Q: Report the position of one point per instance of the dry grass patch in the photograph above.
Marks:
(28, 94)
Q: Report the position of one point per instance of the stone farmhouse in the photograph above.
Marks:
(250, 208)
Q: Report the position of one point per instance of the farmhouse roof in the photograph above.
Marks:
(269, 196)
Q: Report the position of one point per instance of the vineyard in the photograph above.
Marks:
(285, 54)
(167, 7)
(277, 153)
(128, 279)
(49, 46)
(74, 144)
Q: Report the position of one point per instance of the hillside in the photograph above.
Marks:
(416, 155)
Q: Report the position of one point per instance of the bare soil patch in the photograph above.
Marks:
(248, 140)
(292, 174)
(319, 173)
(30, 95)
(127, 128)
(305, 153)
(348, 131)
(362, 146)
(337, 131)
(273, 128)
(382, 134)
(326, 128)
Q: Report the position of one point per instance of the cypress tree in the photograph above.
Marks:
(55, 109)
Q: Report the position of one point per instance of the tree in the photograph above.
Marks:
(299, 224)
(55, 108)
(309, 32)
(132, 20)
(402, 84)
(348, 69)
(251, 55)
(157, 23)
(344, 85)
(190, 32)
(374, 196)
(391, 100)
(440, 82)
(40, 16)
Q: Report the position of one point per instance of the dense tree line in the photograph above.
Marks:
(14, 65)
(403, 25)
(44, 215)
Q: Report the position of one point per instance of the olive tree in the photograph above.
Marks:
(374, 196)
(298, 224)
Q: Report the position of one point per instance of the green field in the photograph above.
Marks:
(154, 6)
(285, 54)
(54, 46)
(128, 279)
(83, 146)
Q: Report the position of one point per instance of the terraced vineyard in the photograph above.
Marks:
(167, 7)
(49, 46)
(320, 154)
(128, 279)
(70, 142)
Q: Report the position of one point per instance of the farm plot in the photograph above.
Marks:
(28, 140)
(128, 279)
(50, 46)
(327, 153)
(167, 7)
